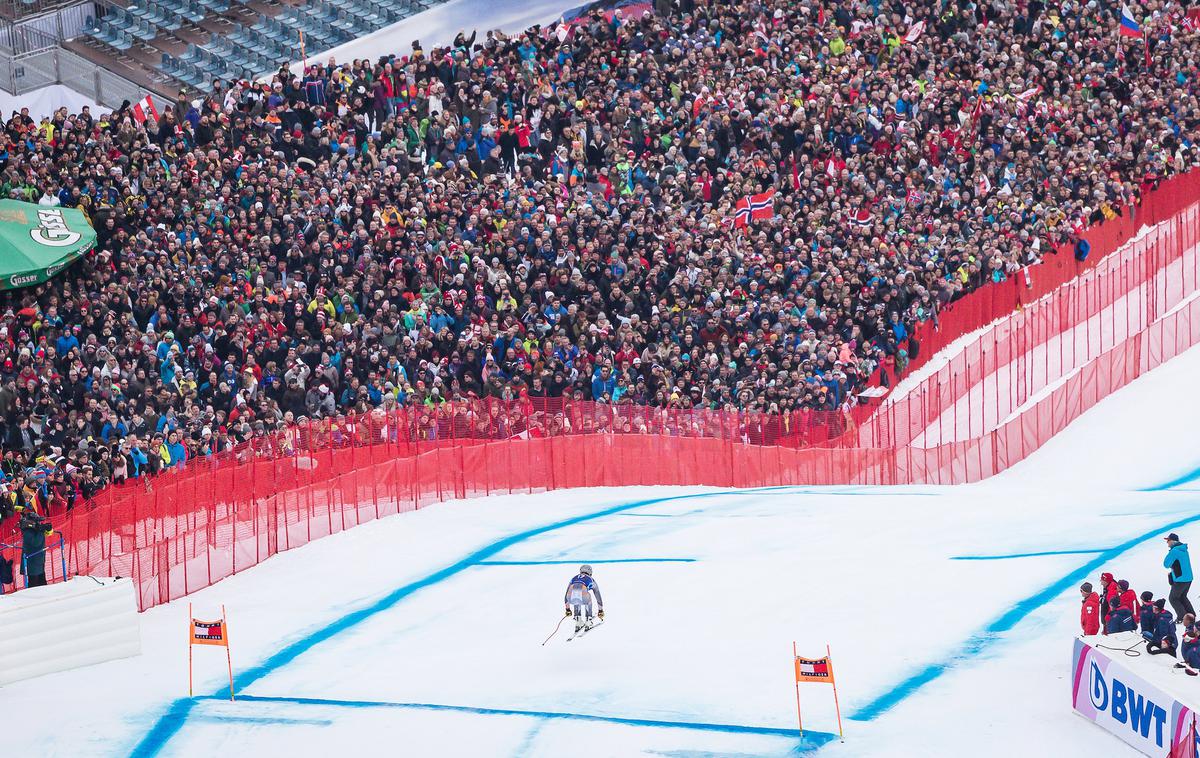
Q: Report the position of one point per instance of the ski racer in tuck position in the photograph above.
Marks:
(578, 599)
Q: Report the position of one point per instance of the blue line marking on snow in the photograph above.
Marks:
(262, 720)
(817, 738)
(574, 562)
(1025, 555)
(1187, 478)
(979, 642)
(169, 724)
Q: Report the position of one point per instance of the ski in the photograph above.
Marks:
(584, 631)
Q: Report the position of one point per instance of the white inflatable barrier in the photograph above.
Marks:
(1141, 699)
(65, 626)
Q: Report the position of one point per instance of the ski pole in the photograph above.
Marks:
(560, 620)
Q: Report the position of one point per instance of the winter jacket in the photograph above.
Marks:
(1190, 651)
(1129, 600)
(1089, 616)
(1146, 618)
(1178, 563)
(1111, 592)
(1164, 629)
(33, 548)
(1119, 620)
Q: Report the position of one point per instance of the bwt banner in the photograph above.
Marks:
(1115, 698)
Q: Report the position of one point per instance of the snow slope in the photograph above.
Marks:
(949, 611)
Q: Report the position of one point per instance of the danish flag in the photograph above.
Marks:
(144, 109)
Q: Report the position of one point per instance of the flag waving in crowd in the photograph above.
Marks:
(144, 109)
(754, 208)
(1129, 26)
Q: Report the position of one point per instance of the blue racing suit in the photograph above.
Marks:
(578, 596)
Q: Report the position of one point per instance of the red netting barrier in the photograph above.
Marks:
(1079, 331)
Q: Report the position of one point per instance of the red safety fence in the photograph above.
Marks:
(994, 301)
(1094, 327)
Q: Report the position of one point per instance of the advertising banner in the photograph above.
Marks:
(1108, 693)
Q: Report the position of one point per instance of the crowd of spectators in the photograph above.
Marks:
(548, 215)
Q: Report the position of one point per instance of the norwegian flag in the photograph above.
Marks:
(915, 196)
(754, 208)
(861, 217)
(144, 109)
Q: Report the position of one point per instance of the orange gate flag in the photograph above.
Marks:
(209, 633)
(816, 670)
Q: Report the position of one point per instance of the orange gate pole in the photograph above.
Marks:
(836, 705)
(799, 719)
(189, 620)
(229, 655)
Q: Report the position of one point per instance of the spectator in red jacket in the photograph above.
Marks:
(1109, 592)
(1129, 599)
(1089, 616)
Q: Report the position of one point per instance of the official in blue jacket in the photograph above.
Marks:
(1147, 614)
(1189, 650)
(1163, 641)
(1179, 574)
(1119, 619)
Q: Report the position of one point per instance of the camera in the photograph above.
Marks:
(32, 520)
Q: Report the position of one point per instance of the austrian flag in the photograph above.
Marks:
(754, 208)
(144, 109)
(813, 670)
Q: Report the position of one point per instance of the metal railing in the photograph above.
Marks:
(27, 72)
(38, 32)
(19, 10)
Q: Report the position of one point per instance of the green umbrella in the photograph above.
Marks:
(37, 242)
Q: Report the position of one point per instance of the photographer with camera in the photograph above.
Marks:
(34, 531)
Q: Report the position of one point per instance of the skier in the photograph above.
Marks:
(578, 599)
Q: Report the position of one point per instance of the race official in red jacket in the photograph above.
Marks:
(1089, 615)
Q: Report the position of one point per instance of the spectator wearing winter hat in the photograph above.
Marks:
(1147, 613)
(1162, 641)
(1179, 574)
(1189, 647)
(1089, 615)
(1120, 618)
(1129, 599)
(1109, 591)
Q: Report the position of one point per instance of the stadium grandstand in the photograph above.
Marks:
(719, 206)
